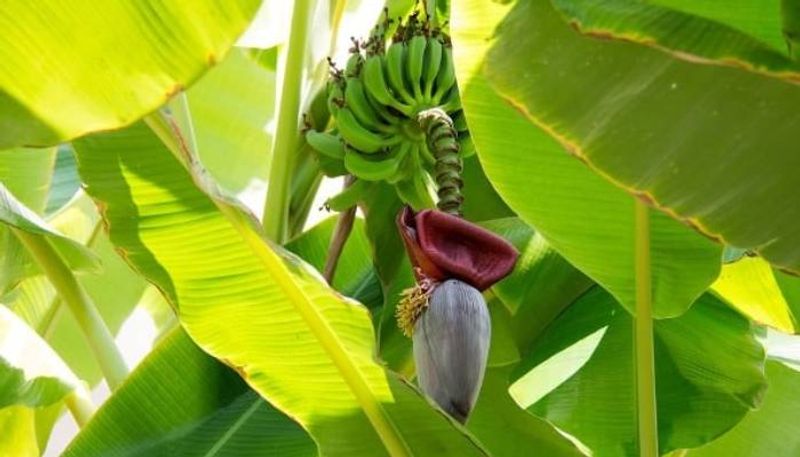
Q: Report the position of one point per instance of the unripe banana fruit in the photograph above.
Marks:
(451, 346)
(376, 101)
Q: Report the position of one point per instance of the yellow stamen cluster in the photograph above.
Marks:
(412, 305)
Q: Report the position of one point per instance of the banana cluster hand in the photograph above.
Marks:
(375, 102)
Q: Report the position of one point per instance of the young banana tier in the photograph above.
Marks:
(376, 103)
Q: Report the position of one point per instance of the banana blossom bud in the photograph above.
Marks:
(446, 315)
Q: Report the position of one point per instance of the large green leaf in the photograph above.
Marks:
(180, 401)
(709, 374)
(78, 67)
(510, 431)
(254, 306)
(759, 18)
(769, 431)
(586, 219)
(541, 285)
(675, 31)
(669, 128)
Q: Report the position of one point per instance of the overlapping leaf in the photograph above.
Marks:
(668, 128)
(180, 401)
(304, 348)
(750, 286)
(709, 375)
(586, 219)
(65, 73)
(769, 431)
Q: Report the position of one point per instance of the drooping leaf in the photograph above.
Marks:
(673, 28)
(661, 127)
(81, 80)
(768, 431)
(116, 290)
(13, 213)
(180, 401)
(709, 374)
(256, 307)
(586, 219)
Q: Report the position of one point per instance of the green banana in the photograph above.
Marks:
(446, 77)
(353, 67)
(451, 101)
(395, 61)
(335, 97)
(407, 165)
(356, 100)
(414, 191)
(388, 118)
(415, 60)
(326, 143)
(349, 197)
(376, 84)
(375, 167)
(433, 61)
(331, 167)
(357, 135)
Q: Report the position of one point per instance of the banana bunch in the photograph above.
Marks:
(375, 101)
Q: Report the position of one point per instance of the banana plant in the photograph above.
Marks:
(402, 228)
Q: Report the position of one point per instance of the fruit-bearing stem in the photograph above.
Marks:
(442, 139)
(643, 338)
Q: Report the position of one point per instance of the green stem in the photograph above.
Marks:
(46, 326)
(276, 208)
(442, 139)
(91, 323)
(80, 406)
(344, 225)
(643, 338)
